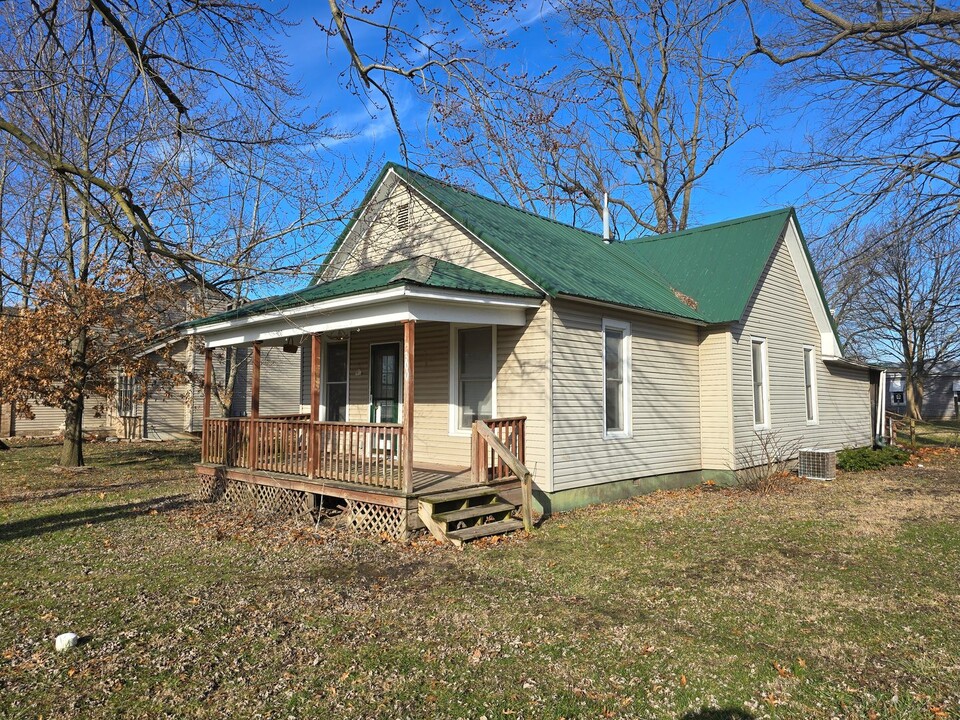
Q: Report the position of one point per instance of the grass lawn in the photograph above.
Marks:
(830, 600)
(934, 433)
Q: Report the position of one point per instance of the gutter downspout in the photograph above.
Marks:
(881, 406)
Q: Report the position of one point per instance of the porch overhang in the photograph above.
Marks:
(381, 307)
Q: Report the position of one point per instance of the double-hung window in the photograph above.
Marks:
(616, 379)
(473, 375)
(334, 379)
(810, 383)
(761, 392)
(129, 398)
(335, 382)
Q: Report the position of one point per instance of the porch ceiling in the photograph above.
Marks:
(381, 307)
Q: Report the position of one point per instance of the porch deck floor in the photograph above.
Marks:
(426, 480)
(432, 480)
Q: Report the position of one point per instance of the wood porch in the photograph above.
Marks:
(368, 465)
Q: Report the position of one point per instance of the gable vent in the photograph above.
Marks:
(403, 216)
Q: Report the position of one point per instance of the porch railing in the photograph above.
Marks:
(487, 464)
(498, 447)
(362, 453)
(367, 454)
(281, 446)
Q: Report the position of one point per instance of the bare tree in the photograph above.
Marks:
(642, 108)
(901, 300)
(142, 141)
(641, 102)
(188, 73)
(881, 80)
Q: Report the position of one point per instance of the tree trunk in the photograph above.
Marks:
(913, 389)
(71, 455)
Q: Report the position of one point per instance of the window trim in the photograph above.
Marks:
(765, 376)
(811, 367)
(453, 399)
(324, 370)
(626, 360)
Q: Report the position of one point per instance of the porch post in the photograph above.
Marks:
(254, 409)
(313, 438)
(409, 334)
(207, 381)
(255, 389)
(207, 388)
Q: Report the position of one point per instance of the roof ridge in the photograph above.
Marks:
(502, 203)
(709, 226)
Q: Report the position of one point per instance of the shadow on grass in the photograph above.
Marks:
(728, 713)
(94, 486)
(34, 527)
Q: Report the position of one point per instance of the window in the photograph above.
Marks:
(761, 401)
(810, 383)
(333, 373)
(473, 372)
(128, 396)
(616, 379)
(335, 382)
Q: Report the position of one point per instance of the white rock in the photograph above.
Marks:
(66, 641)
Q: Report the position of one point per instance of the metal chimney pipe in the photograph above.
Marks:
(606, 220)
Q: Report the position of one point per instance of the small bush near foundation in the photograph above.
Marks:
(765, 463)
(867, 458)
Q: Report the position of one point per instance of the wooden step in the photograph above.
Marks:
(458, 537)
(475, 511)
(459, 495)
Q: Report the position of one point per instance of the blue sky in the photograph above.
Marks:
(737, 186)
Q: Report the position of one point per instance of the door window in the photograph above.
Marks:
(385, 383)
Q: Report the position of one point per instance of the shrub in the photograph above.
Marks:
(866, 458)
(764, 464)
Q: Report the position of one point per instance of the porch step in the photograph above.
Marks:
(463, 515)
(456, 495)
(475, 511)
(478, 531)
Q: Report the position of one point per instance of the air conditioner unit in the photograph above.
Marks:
(818, 464)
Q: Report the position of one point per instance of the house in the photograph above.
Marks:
(441, 318)
(165, 413)
(941, 394)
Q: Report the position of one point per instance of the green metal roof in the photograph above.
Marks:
(421, 271)
(705, 274)
(560, 258)
(717, 265)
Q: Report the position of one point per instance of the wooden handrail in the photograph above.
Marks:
(516, 466)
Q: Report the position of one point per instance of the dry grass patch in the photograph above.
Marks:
(828, 600)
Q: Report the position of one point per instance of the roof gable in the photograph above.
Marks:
(717, 265)
(560, 258)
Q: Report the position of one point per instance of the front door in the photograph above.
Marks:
(385, 383)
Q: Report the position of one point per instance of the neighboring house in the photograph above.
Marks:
(941, 394)
(611, 368)
(163, 413)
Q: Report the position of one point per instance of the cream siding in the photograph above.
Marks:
(716, 399)
(279, 382)
(778, 312)
(48, 421)
(521, 386)
(376, 240)
(665, 399)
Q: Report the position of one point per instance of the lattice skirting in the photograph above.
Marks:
(364, 517)
(251, 497)
(372, 519)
